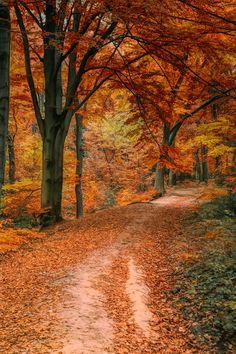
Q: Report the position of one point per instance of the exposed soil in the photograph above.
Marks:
(100, 285)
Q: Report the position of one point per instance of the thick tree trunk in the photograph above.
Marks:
(79, 165)
(52, 175)
(54, 132)
(54, 120)
(4, 83)
(11, 159)
(172, 174)
(159, 179)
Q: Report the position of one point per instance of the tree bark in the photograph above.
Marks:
(54, 120)
(172, 178)
(4, 84)
(11, 159)
(197, 167)
(52, 174)
(159, 183)
(79, 164)
(204, 164)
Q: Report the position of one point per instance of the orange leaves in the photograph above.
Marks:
(169, 157)
(212, 192)
(169, 151)
(127, 196)
(176, 69)
(21, 197)
(13, 238)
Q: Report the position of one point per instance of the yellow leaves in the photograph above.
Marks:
(212, 192)
(221, 150)
(13, 238)
(126, 196)
(208, 140)
(21, 197)
(32, 153)
(217, 136)
(23, 184)
(112, 131)
(229, 58)
(180, 110)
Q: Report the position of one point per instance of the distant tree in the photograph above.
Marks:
(4, 83)
(79, 164)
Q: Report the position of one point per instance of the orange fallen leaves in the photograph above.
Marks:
(11, 238)
(37, 280)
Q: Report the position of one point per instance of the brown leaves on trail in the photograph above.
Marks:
(119, 264)
(32, 282)
(150, 244)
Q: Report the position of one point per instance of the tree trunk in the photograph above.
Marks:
(4, 83)
(159, 179)
(214, 116)
(172, 178)
(172, 174)
(204, 164)
(159, 183)
(79, 165)
(54, 120)
(11, 158)
(217, 163)
(54, 132)
(52, 175)
(197, 167)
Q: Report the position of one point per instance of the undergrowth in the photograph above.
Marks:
(207, 290)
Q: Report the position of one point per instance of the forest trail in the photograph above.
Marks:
(100, 285)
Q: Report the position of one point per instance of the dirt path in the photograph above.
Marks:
(102, 285)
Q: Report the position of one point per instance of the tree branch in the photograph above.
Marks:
(36, 53)
(31, 14)
(29, 73)
(212, 14)
(89, 54)
(203, 105)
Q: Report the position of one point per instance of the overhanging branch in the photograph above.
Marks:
(203, 105)
(29, 73)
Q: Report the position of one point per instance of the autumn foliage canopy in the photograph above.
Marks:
(110, 101)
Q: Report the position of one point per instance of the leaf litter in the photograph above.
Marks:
(99, 285)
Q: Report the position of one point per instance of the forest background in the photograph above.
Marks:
(116, 99)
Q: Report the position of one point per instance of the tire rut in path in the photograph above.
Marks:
(84, 315)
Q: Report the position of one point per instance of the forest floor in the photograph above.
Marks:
(103, 284)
